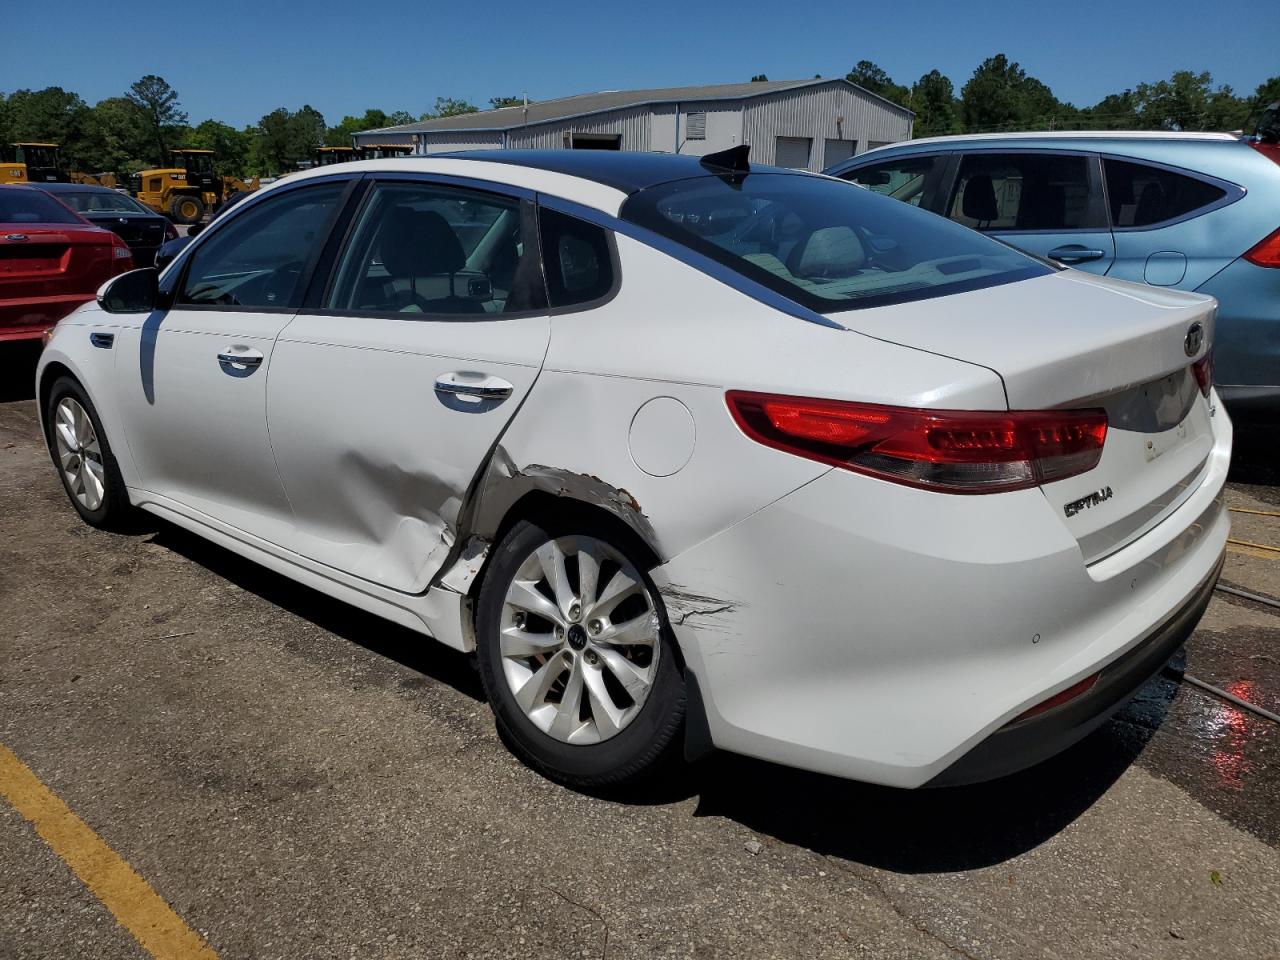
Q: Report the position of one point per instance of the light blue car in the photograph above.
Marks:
(1196, 211)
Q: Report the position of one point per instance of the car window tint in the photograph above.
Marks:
(823, 243)
(1140, 196)
(257, 257)
(21, 205)
(579, 265)
(1024, 191)
(904, 178)
(421, 248)
(106, 201)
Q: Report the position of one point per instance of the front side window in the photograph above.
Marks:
(823, 243)
(1025, 191)
(422, 248)
(906, 178)
(1141, 196)
(257, 258)
(104, 201)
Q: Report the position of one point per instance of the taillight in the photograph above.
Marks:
(1203, 370)
(1266, 253)
(170, 231)
(1058, 699)
(955, 451)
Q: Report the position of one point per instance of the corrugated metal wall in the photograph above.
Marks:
(633, 124)
(836, 112)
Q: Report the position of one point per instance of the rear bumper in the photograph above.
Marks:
(1017, 746)
(867, 630)
(28, 319)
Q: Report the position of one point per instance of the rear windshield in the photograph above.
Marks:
(826, 244)
(18, 205)
(106, 201)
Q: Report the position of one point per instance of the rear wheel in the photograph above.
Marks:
(185, 208)
(576, 656)
(85, 463)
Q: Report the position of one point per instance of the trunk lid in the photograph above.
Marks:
(1071, 340)
(57, 259)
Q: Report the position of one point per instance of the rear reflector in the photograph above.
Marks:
(954, 451)
(1266, 253)
(1058, 699)
(1203, 370)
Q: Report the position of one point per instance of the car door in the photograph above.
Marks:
(1049, 203)
(194, 389)
(390, 388)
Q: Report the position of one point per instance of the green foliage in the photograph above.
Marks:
(759, 78)
(934, 100)
(283, 139)
(230, 146)
(498, 103)
(165, 117)
(449, 107)
(870, 77)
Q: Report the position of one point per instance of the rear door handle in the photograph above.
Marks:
(240, 359)
(473, 385)
(1075, 253)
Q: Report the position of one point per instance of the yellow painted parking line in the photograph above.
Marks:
(1256, 513)
(1254, 546)
(1234, 546)
(137, 907)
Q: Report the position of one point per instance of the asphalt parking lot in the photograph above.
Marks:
(291, 778)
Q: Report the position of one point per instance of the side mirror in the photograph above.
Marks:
(194, 229)
(137, 291)
(169, 250)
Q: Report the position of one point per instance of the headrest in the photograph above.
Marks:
(980, 198)
(419, 243)
(828, 252)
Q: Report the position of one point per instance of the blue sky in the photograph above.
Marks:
(236, 61)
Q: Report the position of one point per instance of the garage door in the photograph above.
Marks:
(792, 152)
(837, 150)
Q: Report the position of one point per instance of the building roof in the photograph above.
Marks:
(546, 111)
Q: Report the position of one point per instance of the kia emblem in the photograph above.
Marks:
(1195, 337)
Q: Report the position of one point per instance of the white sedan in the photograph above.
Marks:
(691, 454)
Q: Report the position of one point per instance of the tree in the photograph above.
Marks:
(934, 100)
(497, 103)
(116, 137)
(1000, 96)
(229, 145)
(759, 78)
(51, 114)
(164, 113)
(450, 107)
(870, 77)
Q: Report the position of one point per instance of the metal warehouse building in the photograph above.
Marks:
(809, 124)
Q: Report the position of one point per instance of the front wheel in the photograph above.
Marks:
(576, 656)
(85, 463)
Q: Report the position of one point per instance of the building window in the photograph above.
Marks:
(695, 125)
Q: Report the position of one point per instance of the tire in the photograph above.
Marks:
(616, 735)
(76, 441)
(184, 208)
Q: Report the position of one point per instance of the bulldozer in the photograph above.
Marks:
(42, 163)
(188, 188)
(32, 163)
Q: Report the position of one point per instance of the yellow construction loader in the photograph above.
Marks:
(188, 188)
(28, 162)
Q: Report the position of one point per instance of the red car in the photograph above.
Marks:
(51, 261)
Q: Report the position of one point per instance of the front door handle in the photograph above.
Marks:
(1075, 253)
(239, 360)
(473, 386)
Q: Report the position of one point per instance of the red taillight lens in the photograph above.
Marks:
(1058, 699)
(1203, 370)
(170, 231)
(957, 451)
(1266, 253)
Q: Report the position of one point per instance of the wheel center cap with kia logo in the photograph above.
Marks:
(577, 637)
(1195, 337)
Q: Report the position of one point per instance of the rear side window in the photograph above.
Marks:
(823, 243)
(578, 259)
(909, 179)
(257, 258)
(1026, 191)
(1142, 196)
(425, 248)
(32, 206)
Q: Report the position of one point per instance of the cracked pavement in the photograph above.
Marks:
(301, 780)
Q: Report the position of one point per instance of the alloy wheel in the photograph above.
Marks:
(580, 639)
(79, 454)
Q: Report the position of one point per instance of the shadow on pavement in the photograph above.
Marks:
(930, 831)
(18, 370)
(1255, 458)
(378, 636)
